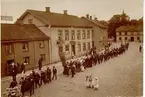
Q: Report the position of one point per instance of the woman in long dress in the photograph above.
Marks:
(95, 83)
(89, 81)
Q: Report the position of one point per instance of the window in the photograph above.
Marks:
(89, 46)
(84, 46)
(84, 35)
(79, 47)
(9, 48)
(67, 48)
(88, 35)
(88, 31)
(73, 35)
(93, 43)
(27, 59)
(78, 35)
(138, 38)
(59, 34)
(30, 21)
(119, 33)
(25, 47)
(125, 33)
(119, 38)
(66, 35)
(78, 30)
(43, 57)
(132, 33)
(60, 48)
(41, 45)
(125, 38)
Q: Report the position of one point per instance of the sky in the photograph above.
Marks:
(102, 9)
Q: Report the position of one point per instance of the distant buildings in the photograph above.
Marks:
(21, 43)
(133, 33)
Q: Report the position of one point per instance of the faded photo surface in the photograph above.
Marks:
(72, 48)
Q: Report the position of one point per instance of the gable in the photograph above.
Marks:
(36, 21)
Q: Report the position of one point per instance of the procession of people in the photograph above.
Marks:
(36, 78)
(92, 59)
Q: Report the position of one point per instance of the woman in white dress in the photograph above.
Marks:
(89, 81)
(95, 83)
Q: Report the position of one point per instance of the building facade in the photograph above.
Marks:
(130, 33)
(23, 43)
(72, 32)
(100, 34)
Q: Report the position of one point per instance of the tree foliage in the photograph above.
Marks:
(115, 22)
(121, 20)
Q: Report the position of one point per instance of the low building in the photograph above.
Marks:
(23, 42)
(133, 33)
(68, 33)
(100, 33)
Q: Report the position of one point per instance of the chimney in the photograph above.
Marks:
(47, 9)
(90, 17)
(87, 16)
(65, 12)
(95, 18)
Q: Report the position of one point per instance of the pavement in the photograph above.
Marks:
(118, 77)
(121, 76)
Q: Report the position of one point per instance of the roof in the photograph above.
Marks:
(95, 22)
(25, 32)
(57, 19)
(130, 28)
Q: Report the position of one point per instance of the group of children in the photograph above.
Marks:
(92, 82)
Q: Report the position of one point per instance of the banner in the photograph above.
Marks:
(7, 18)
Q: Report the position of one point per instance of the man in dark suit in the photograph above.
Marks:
(40, 63)
(13, 71)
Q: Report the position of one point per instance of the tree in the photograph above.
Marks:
(115, 22)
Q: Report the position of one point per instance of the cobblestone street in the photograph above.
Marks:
(121, 76)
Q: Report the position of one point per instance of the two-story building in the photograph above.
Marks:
(133, 33)
(72, 32)
(21, 43)
(100, 33)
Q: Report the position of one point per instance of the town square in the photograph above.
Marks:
(51, 49)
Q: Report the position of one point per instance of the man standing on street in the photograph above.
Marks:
(40, 63)
(23, 66)
(49, 74)
(73, 70)
(13, 71)
(54, 73)
(140, 49)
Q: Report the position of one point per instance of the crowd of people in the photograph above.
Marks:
(30, 82)
(92, 59)
(36, 78)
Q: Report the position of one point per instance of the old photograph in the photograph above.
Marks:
(71, 48)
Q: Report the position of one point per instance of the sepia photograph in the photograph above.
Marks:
(72, 48)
